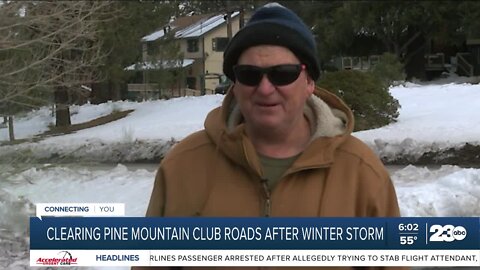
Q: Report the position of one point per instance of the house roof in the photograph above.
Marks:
(188, 27)
(176, 25)
(160, 64)
(473, 41)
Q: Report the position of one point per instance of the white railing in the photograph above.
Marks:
(464, 65)
(141, 87)
(435, 61)
(359, 63)
(151, 91)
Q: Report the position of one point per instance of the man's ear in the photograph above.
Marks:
(310, 85)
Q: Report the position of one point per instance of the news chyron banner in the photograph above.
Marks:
(100, 240)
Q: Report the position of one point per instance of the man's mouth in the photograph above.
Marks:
(262, 104)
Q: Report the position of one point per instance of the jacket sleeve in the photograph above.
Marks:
(386, 201)
(156, 208)
(387, 206)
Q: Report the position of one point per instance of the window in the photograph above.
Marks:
(192, 45)
(219, 44)
(191, 82)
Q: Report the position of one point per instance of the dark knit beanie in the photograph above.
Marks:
(274, 24)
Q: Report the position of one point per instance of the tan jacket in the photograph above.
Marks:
(216, 172)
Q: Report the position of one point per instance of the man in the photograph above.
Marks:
(278, 146)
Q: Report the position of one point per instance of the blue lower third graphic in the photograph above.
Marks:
(125, 233)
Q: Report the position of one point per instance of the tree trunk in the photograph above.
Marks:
(62, 109)
(114, 90)
(10, 128)
(100, 93)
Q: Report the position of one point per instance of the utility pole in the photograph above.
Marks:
(241, 16)
(228, 18)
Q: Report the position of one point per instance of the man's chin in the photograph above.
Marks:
(266, 124)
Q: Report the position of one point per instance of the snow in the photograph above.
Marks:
(446, 191)
(427, 110)
(154, 36)
(159, 119)
(161, 64)
(203, 26)
(38, 121)
(433, 116)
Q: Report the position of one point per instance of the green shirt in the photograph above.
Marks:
(274, 168)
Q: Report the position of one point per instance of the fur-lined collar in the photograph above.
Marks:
(324, 120)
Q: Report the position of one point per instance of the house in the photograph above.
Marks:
(468, 63)
(423, 57)
(184, 57)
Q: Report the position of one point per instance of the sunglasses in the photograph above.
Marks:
(278, 75)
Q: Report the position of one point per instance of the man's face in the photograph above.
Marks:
(268, 105)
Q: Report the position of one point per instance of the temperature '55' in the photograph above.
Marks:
(407, 239)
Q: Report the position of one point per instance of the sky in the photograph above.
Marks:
(440, 115)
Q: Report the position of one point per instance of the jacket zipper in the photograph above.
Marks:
(267, 205)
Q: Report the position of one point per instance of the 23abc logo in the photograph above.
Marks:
(447, 233)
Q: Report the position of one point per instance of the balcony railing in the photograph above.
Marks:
(435, 62)
(151, 91)
(358, 63)
(463, 64)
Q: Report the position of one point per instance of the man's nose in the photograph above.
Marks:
(265, 87)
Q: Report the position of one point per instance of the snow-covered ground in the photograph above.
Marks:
(432, 116)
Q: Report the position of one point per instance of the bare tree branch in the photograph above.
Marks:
(49, 45)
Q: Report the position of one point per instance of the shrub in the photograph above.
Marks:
(365, 94)
(389, 69)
